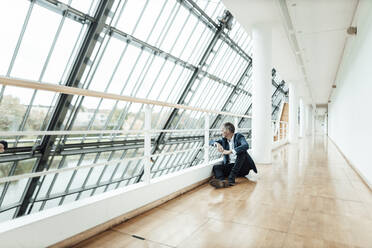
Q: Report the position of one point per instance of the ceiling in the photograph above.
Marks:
(308, 38)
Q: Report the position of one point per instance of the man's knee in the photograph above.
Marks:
(217, 166)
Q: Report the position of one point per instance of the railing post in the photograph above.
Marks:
(282, 130)
(206, 138)
(286, 130)
(236, 123)
(147, 145)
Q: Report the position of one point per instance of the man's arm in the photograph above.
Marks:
(217, 143)
(212, 142)
(243, 144)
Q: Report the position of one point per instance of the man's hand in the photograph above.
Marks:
(219, 147)
(226, 152)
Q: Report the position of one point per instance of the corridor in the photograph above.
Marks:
(308, 197)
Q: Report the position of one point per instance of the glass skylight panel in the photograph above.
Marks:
(75, 180)
(160, 24)
(94, 173)
(213, 8)
(64, 51)
(86, 6)
(195, 39)
(14, 192)
(12, 17)
(36, 43)
(62, 179)
(131, 14)
(109, 169)
(150, 18)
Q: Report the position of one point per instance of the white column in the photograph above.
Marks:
(262, 135)
(302, 118)
(293, 114)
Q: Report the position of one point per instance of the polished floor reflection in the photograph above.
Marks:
(308, 197)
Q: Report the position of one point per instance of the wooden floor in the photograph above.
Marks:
(308, 197)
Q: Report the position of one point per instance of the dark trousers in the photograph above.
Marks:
(231, 170)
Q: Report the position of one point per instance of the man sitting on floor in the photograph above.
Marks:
(236, 160)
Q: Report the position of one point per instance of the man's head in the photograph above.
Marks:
(228, 130)
(3, 145)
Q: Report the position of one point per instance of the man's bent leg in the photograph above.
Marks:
(235, 171)
(219, 180)
(218, 170)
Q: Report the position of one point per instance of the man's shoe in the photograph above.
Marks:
(231, 180)
(252, 177)
(219, 183)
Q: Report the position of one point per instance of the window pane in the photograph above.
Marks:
(86, 6)
(14, 192)
(5, 169)
(12, 107)
(52, 203)
(49, 178)
(7, 215)
(97, 171)
(64, 52)
(148, 19)
(110, 168)
(36, 43)
(70, 198)
(131, 14)
(25, 166)
(40, 112)
(64, 177)
(81, 174)
(12, 17)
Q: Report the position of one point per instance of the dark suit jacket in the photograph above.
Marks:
(240, 146)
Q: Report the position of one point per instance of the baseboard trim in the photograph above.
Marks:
(364, 180)
(74, 240)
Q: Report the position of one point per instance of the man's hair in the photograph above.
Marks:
(5, 144)
(229, 126)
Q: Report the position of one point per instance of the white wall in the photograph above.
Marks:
(350, 110)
